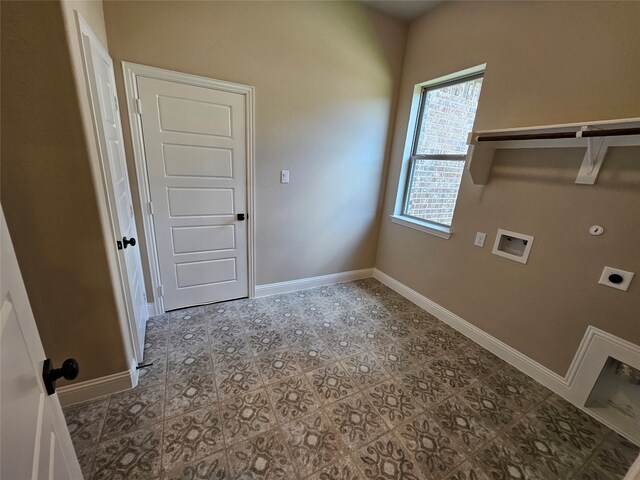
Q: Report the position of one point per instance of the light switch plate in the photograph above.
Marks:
(479, 241)
(284, 176)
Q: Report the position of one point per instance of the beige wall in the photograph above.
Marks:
(324, 74)
(48, 192)
(550, 62)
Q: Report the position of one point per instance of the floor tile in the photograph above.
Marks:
(262, 457)
(616, 455)
(312, 355)
(135, 456)
(221, 311)
(386, 458)
(246, 416)
(500, 461)
(181, 362)
(85, 422)
(155, 373)
(348, 381)
(578, 432)
(356, 420)
(519, 391)
(132, 410)
(187, 318)
(223, 329)
(236, 378)
(292, 398)
(435, 452)
(467, 471)
(343, 469)
(207, 468)
(489, 406)
(424, 387)
(393, 402)
(364, 370)
(192, 338)
(191, 390)
(452, 375)
(277, 366)
(257, 321)
(230, 349)
(313, 443)
(266, 340)
(192, 436)
(393, 358)
(457, 419)
(331, 383)
(530, 439)
(298, 331)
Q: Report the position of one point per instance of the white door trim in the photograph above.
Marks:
(130, 72)
(105, 203)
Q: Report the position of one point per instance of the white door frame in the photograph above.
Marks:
(131, 71)
(107, 207)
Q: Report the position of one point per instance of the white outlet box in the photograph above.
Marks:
(616, 278)
(480, 238)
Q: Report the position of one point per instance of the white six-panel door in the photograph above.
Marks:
(195, 148)
(34, 440)
(101, 79)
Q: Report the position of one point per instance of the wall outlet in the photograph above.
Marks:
(616, 278)
(284, 176)
(479, 242)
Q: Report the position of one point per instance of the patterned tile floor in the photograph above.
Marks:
(349, 382)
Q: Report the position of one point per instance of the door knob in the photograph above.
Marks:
(240, 216)
(128, 241)
(69, 370)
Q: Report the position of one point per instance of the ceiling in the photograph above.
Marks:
(403, 9)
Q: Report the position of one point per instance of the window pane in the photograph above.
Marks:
(447, 118)
(434, 189)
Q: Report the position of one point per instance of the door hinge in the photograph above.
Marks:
(150, 206)
(138, 104)
(160, 291)
(115, 103)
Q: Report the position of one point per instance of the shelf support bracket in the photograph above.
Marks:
(593, 158)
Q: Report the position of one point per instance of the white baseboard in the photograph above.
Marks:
(310, 282)
(98, 387)
(594, 350)
(151, 309)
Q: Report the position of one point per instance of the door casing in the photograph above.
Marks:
(131, 71)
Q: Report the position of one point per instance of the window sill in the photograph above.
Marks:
(426, 227)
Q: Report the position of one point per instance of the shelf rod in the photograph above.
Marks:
(613, 132)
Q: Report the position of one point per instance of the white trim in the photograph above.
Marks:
(130, 73)
(575, 387)
(426, 227)
(310, 282)
(634, 471)
(98, 387)
(151, 309)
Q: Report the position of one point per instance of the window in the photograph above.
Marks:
(444, 119)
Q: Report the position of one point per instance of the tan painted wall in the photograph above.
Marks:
(48, 193)
(324, 74)
(550, 62)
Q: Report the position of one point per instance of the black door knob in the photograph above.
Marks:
(128, 241)
(240, 216)
(69, 370)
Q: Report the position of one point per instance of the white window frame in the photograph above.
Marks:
(398, 216)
